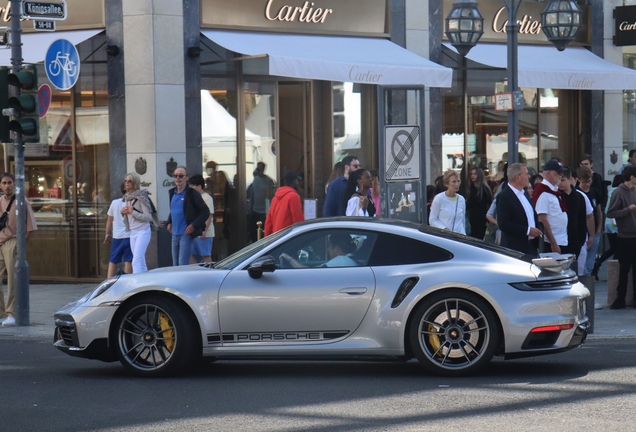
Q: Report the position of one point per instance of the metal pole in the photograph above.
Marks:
(466, 180)
(21, 278)
(512, 29)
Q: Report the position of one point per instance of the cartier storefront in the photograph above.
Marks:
(563, 115)
(67, 176)
(293, 84)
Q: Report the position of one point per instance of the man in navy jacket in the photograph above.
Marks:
(334, 201)
(188, 214)
(515, 215)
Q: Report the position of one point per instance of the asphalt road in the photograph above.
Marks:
(589, 389)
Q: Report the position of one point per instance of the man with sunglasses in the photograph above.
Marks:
(334, 201)
(187, 218)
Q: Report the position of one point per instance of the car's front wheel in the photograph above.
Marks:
(454, 333)
(153, 337)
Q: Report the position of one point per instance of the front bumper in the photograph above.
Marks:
(66, 340)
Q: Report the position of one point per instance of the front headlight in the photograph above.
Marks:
(101, 289)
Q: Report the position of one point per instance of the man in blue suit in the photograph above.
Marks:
(516, 217)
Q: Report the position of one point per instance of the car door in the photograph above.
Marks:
(290, 305)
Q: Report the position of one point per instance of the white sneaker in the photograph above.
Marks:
(597, 306)
(8, 321)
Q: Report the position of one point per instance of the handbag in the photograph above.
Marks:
(467, 226)
(5, 216)
(491, 233)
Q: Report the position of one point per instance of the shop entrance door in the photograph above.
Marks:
(295, 144)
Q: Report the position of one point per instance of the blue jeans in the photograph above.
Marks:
(591, 255)
(181, 247)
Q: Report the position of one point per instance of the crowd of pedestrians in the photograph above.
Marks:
(561, 210)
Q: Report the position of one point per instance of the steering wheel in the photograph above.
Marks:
(282, 262)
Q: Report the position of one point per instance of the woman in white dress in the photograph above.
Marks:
(137, 218)
(357, 191)
(448, 210)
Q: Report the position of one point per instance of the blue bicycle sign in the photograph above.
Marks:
(62, 64)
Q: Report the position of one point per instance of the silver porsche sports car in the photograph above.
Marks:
(335, 288)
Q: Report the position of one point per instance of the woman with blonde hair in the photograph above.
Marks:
(137, 218)
(448, 210)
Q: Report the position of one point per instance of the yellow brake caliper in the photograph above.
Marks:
(434, 339)
(166, 331)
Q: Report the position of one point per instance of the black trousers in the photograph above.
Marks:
(626, 255)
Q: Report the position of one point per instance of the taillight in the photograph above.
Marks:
(552, 328)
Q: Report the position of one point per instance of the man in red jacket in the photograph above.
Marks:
(285, 209)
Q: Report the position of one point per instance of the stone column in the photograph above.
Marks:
(424, 23)
(612, 143)
(155, 121)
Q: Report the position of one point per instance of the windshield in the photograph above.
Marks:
(235, 259)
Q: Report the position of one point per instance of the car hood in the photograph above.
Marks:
(178, 269)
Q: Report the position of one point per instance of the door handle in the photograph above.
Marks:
(354, 290)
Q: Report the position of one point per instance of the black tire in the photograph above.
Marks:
(449, 343)
(153, 336)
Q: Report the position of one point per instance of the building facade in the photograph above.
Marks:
(219, 85)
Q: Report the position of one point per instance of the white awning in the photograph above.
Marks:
(35, 45)
(335, 58)
(574, 68)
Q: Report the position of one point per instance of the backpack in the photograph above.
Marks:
(153, 212)
(154, 223)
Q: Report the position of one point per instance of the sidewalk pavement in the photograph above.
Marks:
(46, 299)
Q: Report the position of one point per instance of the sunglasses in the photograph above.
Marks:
(179, 175)
(128, 181)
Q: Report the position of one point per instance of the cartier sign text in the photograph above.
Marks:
(526, 24)
(625, 26)
(307, 13)
(356, 75)
(580, 82)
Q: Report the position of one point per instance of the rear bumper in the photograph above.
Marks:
(578, 338)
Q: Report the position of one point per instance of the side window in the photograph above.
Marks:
(326, 248)
(396, 250)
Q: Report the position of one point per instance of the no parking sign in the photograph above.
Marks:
(402, 150)
(44, 95)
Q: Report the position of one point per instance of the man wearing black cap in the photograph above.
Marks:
(551, 207)
(285, 209)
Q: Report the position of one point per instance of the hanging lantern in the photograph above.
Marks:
(560, 20)
(464, 25)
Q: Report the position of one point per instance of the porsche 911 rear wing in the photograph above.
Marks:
(554, 262)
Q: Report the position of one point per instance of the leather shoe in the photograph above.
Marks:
(618, 304)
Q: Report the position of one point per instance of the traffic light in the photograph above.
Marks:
(25, 104)
(5, 136)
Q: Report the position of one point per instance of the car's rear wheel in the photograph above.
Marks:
(154, 337)
(454, 333)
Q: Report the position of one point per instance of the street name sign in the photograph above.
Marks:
(43, 11)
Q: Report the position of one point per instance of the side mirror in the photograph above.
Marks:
(265, 264)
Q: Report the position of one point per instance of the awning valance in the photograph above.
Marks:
(335, 58)
(35, 45)
(545, 67)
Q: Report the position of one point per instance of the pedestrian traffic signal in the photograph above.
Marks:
(5, 136)
(25, 104)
